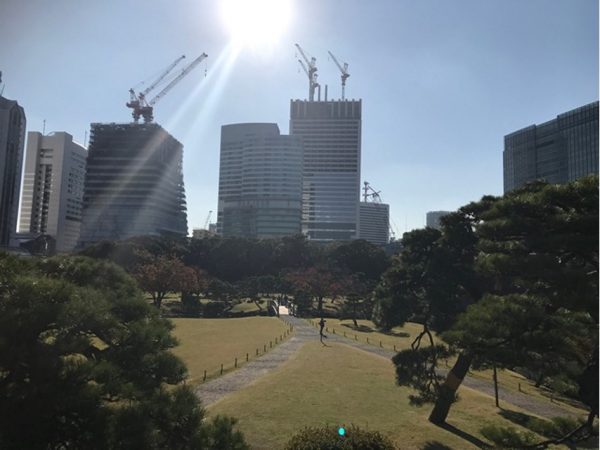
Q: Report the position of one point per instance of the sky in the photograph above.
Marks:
(441, 81)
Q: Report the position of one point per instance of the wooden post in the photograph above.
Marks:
(344, 334)
(204, 379)
(246, 357)
(265, 348)
(275, 340)
(355, 337)
(270, 344)
(235, 364)
(496, 387)
(221, 369)
(334, 331)
(394, 347)
(367, 340)
(380, 344)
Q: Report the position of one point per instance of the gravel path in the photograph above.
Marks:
(214, 390)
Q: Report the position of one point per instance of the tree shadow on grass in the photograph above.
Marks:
(361, 328)
(464, 435)
(519, 418)
(435, 445)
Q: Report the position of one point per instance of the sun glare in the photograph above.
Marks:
(256, 23)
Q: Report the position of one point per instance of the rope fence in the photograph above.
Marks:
(240, 360)
(355, 336)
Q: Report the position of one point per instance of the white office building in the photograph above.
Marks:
(374, 225)
(52, 193)
(260, 182)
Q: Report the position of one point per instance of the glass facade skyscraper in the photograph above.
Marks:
(260, 182)
(331, 133)
(133, 184)
(557, 151)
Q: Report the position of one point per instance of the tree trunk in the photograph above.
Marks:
(449, 388)
(496, 387)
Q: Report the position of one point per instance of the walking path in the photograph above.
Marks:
(214, 390)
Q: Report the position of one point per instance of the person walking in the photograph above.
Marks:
(322, 325)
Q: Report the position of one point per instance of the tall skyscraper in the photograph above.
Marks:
(52, 191)
(12, 142)
(331, 133)
(260, 181)
(558, 151)
(374, 222)
(433, 219)
(134, 183)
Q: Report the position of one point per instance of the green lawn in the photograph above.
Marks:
(402, 337)
(205, 344)
(340, 385)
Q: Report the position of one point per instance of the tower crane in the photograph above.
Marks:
(145, 108)
(207, 221)
(370, 192)
(344, 70)
(311, 72)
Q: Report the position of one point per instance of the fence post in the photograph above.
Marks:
(246, 357)
(334, 331)
(221, 369)
(270, 344)
(380, 344)
(275, 340)
(204, 379)
(355, 337)
(235, 364)
(265, 348)
(344, 334)
(394, 347)
(367, 340)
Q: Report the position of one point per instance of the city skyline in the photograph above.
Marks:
(441, 83)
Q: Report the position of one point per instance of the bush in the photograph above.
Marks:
(508, 437)
(327, 438)
(191, 306)
(214, 310)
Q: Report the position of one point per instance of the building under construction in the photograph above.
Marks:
(134, 183)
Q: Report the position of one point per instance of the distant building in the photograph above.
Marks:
(374, 224)
(134, 183)
(52, 191)
(200, 233)
(557, 151)
(331, 132)
(260, 182)
(12, 142)
(433, 218)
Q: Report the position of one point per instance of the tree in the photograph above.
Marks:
(85, 362)
(359, 257)
(526, 270)
(316, 282)
(161, 276)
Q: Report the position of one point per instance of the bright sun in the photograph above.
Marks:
(256, 23)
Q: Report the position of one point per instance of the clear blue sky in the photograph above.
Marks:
(442, 81)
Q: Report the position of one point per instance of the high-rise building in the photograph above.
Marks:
(12, 142)
(331, 133)
(433, 219)
(134, 183)
(558, 151)
(260, 181)
(374, 224)
(52, 190)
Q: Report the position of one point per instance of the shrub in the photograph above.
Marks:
(327, 438)
(508, 437)
(214, 309)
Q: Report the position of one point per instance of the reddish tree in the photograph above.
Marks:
(161, 276)
(316, 282)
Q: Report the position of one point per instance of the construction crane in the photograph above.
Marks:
(370, 192)
(207, 221)
(311, 72)
(145, 108)
(345, 74)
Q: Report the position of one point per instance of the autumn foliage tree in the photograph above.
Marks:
(162, 275)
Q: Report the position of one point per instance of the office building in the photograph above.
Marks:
(558, 151)
(134, 183)
(374, 224)
(331, 133)
(260, 182)
(52, 191)
(12, 142)
(433, 219)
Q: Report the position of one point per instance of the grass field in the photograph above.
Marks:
(205, 344)
(339, 385)
(402, 337)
